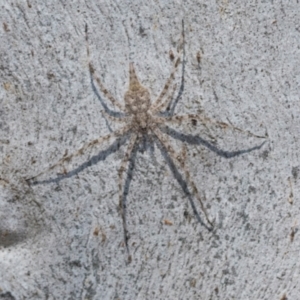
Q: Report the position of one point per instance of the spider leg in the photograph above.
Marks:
(159, 100)
(163, 106)
(122, 203)
(182, 155)
(207, 123)
(96, 78)
(178, 160)
(93, 143)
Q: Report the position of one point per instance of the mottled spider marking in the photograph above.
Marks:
(137, 103)
(198, 57)
(171, 55)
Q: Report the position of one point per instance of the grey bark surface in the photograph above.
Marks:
(64, 240)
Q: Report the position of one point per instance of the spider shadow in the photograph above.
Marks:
(148, 144)
(198, 141)
(125, 192)
(195, 140)
(181, 182)
(101, 156)
(109, 111)
(144, 145)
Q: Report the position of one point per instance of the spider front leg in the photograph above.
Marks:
(96, 142)
(122, 203)
(97, 79)
(178, 160)
(156, 106)
(164, 105)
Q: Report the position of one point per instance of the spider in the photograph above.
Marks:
(141, 118)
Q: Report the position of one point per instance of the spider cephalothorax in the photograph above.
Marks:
(137, 103)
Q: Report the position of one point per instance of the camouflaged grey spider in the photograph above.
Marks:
(143, 118)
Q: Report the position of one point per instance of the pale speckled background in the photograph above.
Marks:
(248, 75)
